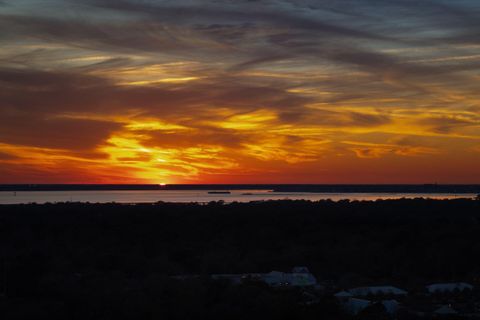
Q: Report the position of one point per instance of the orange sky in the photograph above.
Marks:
(239, 92)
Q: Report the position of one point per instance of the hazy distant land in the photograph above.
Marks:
(323, 188)
(18, 194)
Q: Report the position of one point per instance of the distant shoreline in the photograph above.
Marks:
(314, 188)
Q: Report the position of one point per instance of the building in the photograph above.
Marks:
(300, 270)
(377, 290)
(299, 277)
(445, 310)
(354, 306)
(276, 279)
(391, 306)
(448, 287)
(343, 295)
(233, 278)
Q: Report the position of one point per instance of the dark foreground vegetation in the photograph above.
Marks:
(112, 261)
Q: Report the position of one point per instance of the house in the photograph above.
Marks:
(354, 306)
(299, 277)
(300, 270)
(377, 290)
(343, 295)
(448, 287)
(445, 310)
(391, 306)
(233, 278)
(275, 279)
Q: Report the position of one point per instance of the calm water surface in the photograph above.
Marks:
(149, 196)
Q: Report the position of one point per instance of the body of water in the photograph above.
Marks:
(150, 196)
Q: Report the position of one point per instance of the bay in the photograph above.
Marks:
(201, 196)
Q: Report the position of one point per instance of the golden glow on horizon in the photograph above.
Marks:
(131, 151)
(152, 163)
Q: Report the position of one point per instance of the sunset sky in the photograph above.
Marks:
(237, 91)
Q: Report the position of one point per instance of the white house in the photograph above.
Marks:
(448, 287)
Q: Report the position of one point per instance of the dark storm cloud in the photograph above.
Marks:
(126, 36)
(379, 63)
(50, 93)
(109, 64)
(170, 29)
(247, 12)
(330, 118)
(227, 32)
(446, 125)
(311, 15)
(31, 100)
(363, 119)
(257, 61)
(71, 134)
(290, 34)
(38, 79)
(6, 156)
